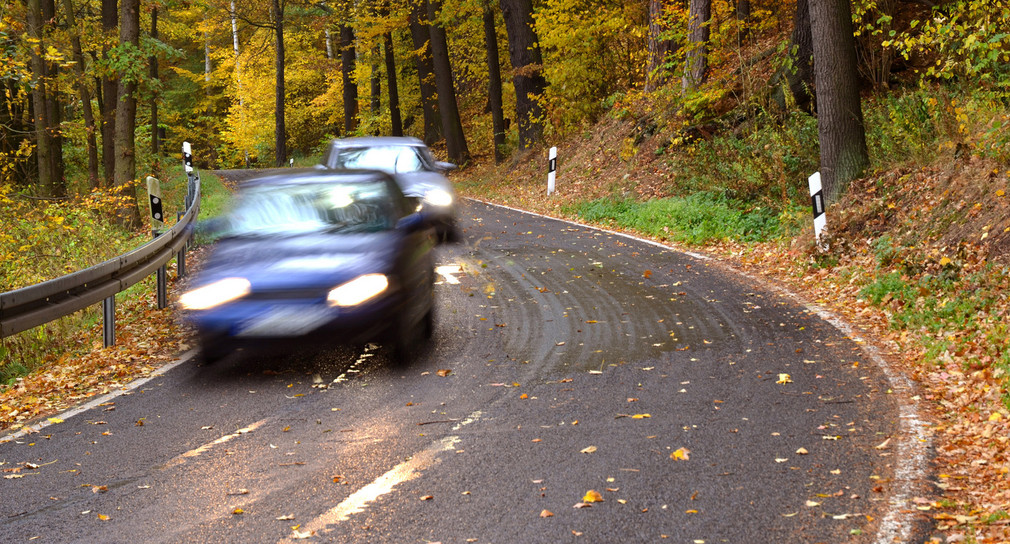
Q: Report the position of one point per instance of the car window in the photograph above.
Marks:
(316, 207)
(393, 159)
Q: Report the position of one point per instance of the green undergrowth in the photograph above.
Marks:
(695, 219)
(49, 239)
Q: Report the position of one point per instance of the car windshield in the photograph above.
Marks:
(271, 210)
(393, 159)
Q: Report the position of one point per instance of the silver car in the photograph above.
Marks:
(411, 163)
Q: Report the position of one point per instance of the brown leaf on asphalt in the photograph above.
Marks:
(592, 496)
(681, 454)
(582, 505)
(427, 498)
(647, 274)
(589, 449)
(103, 517)
(546, 513)
(238, 511)
(443, 372)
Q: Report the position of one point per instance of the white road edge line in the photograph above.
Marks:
(93, 403)
(358, 501)
(911, 454)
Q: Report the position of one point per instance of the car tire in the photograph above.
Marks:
(209, 356)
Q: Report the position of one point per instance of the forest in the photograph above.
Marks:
(98, 94)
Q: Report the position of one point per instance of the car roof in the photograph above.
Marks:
(315, 175)
(367, 141)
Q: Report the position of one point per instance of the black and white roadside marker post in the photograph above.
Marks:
(817, 204)
(552, 166)
(157, 223)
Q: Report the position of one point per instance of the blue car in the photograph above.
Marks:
(315, 258)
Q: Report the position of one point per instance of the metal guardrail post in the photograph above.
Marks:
(162, 287)
(180, 257)
(109, 321)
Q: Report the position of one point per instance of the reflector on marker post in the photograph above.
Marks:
(552, 164)
(154, 198)
(187, 156)
(817, 205)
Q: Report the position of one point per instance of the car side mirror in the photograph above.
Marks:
(445, 166)
(413, 222)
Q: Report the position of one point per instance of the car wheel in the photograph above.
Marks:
(209, 356)
(429, 323)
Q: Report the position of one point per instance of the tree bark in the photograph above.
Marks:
(43, 152)
(527, 69)
(494, 82)
(280, 137)
(839, 109)
(110, 94)
(155, 144)
(54, 108)
(420, 35)
(452, 126)
(801, 78)
(375, 104)
(126, 121)
(696, 70)
(84, 94)
(395, 122)
(659, 47)
(350, 86)
(743, 20)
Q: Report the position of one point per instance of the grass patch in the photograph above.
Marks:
(695, 219)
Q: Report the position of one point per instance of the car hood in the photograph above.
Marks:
(301, 262)
(418, 183)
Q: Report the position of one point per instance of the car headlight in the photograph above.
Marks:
(358, 290)
(215, 294)
(438, 197)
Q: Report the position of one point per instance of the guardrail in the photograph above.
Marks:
(35, 305)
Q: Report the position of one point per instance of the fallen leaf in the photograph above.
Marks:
(883, 445)
(443, 372)
(592, 496)
(681, 454)
(995, 417)
(427, 498)
(802, 451)
(647, 274)
(784, 379)
(287, 517)
(589, 449)
(812, 504)
(298, 535)
(238, 511)
(582, 505)
(546, 513)
(103, 517)
(641, 416)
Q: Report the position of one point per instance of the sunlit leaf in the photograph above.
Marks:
(592, 496)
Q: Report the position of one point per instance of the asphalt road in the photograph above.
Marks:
(577, 360)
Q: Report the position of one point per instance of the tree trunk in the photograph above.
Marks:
(54, 109)
(375, 104)
(154, 77)
(659, 47)
(743, 20)
(420, 35)
(37, 63)
(494, 82)
(110, 93)
(395, 123)
(696, 70)
(280, 140)
(452, 126)
(801, 79)
(839, 110)
(84, 94)
(527, 69)
(126, 121)
(350, 86)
